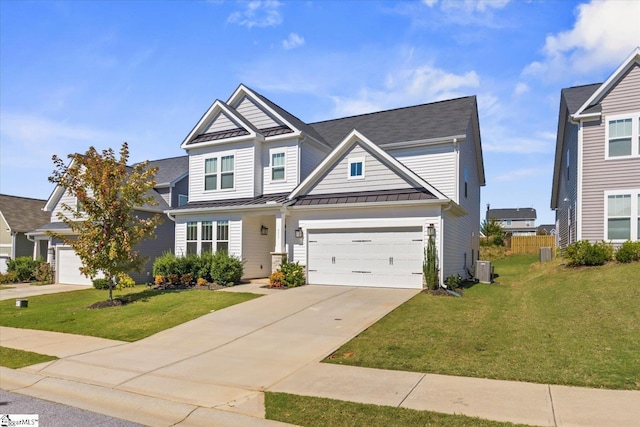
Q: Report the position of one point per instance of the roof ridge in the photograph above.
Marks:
(585, 85)
(393, 109)
(24, 197)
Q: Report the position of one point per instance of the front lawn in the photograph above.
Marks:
(15, 359)
(542, 323)
(317, 411)
(149, 312)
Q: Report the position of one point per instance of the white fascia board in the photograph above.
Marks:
(346, 206)
(610, 82)
(423, 142)
(283, 137)
(217, 106)
(239, 209)
(577, 118)
(352, 138)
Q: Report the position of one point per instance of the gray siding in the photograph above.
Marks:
(255, 114)
(600, 175)
(310, 158)
(435, 164)
(568, 188)
(180, 187)
(24, 247)
(377, 176)
(221, 122)
(165, 193)
(153, 248)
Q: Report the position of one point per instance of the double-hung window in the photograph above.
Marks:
(278, 166)
(356, 168)
(206, 237)
(623, 136)
(222, 236)
(623, 215)
(219, 173)
(192, 238)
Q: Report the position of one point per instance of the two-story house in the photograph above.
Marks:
(515, 221)
(353, 199)
(171, 190)
(596, 179)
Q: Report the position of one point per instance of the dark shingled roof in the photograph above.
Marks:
(276, 199)
(427, 121)
(170, 169)
(22, 213)
(365, 197)
(517, 213)
(578, 95)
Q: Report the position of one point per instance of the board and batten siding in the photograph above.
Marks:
(290, 148)
(435, 164)
(377, 176)
(235, 231)
(243, 176)
(600, 175)
(221, 122)
(256, 248)
(255, 114)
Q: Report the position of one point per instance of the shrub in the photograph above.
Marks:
(186, 279)
(226, 270)
(628, 252)
(454, 281)
(125, 281)
(202, 282)
(101, 283)
(293, 274)
(24, 268)
(158, 279)
(173, 279)
(584, 253)
(202, 266)
(165, 264)
(276, 279)
(44, 273)
(9, 277)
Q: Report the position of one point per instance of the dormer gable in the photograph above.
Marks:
(220, 124)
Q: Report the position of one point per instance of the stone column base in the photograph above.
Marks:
(276, 259)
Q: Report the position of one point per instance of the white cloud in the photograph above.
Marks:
(258, 13)
(468, 5)
(604, 34)
(502, 141)
(408, 86)
(293, 41)
(521, 173)
(463, 12)
(520, 89)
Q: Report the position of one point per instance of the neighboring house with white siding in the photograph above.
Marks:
(171, 190)
(351, 199)
(596, 179)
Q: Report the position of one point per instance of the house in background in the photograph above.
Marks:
(546, 230)
(515, 221)
(353, 199)
(18, 215)
(596, 178)
(170, 190)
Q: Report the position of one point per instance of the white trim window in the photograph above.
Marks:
(222, 236)
(278, 162)
(219, 178)
(201, 239)
(622, 220)
(192, 238)
(623, 136)
(356, 168)
(206, 236)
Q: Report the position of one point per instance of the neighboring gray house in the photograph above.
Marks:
(546, 230)
(352, 199)
(515, 221)
(18, 215)
(596, 178)
(171, 183)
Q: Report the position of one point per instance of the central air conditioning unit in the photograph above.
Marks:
(484, 271)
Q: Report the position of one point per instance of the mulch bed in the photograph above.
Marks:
(108, 303)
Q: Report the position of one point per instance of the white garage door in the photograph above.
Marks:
(369, 257)
(68, 265)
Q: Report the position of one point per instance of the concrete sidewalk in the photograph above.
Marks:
(212, 370)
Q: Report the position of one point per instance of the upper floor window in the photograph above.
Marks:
(278, 166)
(623, 136)
(356, 168)
(507, 222)
(183, 199)
(623, 216)
(219, 173)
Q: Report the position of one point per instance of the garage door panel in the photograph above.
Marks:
(68, 266)
(380, 257)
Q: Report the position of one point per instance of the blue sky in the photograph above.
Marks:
(75, 74)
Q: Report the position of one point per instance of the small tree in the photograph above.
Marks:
(493, 230)
(103, 222)
(430, 264)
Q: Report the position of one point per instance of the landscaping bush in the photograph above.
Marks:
(165, 264)
(293, 274)
(202, 266)
(226, 270)
(628, 252)
(44, 273)
(101, 283)
(125, 281)
(24, 268)
(9, 277)
(276, 279)
(585, 253)
(453, 282)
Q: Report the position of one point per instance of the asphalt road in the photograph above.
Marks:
(52, 414)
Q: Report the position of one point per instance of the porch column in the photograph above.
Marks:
(280, 249)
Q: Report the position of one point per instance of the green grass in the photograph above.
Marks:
(542, 323)
(316, 411)
(15, 359)
(150, 311)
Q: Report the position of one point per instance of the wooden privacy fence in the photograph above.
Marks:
(532, 244)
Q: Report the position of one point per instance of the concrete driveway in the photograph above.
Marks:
(25, 290)
(226, 358)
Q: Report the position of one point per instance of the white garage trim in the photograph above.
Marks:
(67, 267)
(376, 257)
